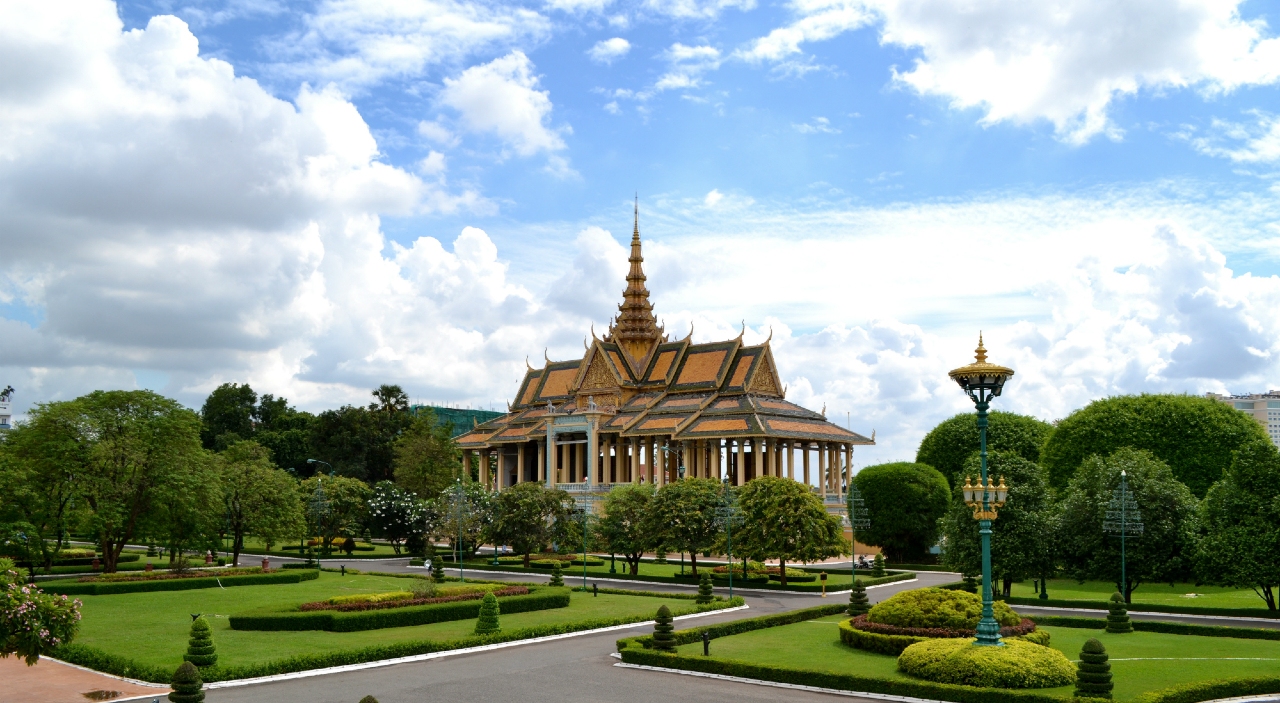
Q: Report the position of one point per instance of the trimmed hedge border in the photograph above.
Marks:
(875, 641)
(689, 579)
(1212, 689)
(737, 627)
(359, 620)
(79, 561)
(73, 588)
(1168, 628)
(1147, 607)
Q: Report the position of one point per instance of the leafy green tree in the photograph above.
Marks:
(360, 442)
(227, 415)
(335, 506)
(1195, 436)
(257, 497)
(1240, 517)
(949, 446)
(1164, 551)
(394, 515)
(624, 529)
(683, 517)
(284, 430)
(389, 400)
(187, 512)
(784, 520)
(904, 503)
(426, 458)
(38, 480)
(1023, 535)
(469, 524)
(527, 516)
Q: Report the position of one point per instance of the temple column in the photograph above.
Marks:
(719, 452)
(804, 453)
(549, 467)
(628, 449)
(542, 458)
(606, 474)
(582, 463)
(822, 469)
(791, 461)
(739, 475)
(520, 463)
(466, 463)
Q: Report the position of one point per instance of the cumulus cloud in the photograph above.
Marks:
(687, 66)
(818, 125)
(696, 9)
(576, 6)
(1258, 142)
(502, 98)
(1061, 62)
(609, 50)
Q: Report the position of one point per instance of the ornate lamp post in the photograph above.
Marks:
(461, 509)
(730, 514)
(983, 381)
(858, 520)
(1124, 519)
(584, 503)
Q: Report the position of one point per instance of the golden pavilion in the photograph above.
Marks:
(639, 407)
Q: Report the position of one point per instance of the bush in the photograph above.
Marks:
(938, 608)
(200, 648)
(880, 643)
(1169, 628)
(877, 566)
(705, 593)
(858, 603)
(487, 623)
(1117, 616)
(590, 561)
(1040, 637)
(336, 621)
(1017, 664)
(1093, 672)
(186, 683)
(904, 502)
(557, 575)
(1213, 689)
(953, 441)
(102, 588)
(549, 563)
(298, 565)
(662, 629)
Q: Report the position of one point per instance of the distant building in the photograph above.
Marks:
(1264, 407)
(462, 419)
(6, 416)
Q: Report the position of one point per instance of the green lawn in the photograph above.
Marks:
(1141, 661)
(153, 627)
(835, 579)
(1154, 593)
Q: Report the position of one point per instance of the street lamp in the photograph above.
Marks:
(729, 513)
(858, 520)
(1123, 519)
(317, 461)
(584, 503)
(461, 509)
(983, 381)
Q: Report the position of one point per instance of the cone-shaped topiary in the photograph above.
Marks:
(970, 584)
(557, 575)
(1118, 618)
(368, 699)
(187, 685)
(663, 640)
(1093, 672)
(200, 648)
(487, 623)
(858, 603)
(877, 566)
(705, 595)
(437, 570)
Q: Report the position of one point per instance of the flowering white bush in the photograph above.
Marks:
(32, 621)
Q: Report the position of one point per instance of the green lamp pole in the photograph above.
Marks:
(983, 381)
(729, 513)
(858, 520)
(585, 502)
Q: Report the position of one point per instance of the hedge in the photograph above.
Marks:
(737, 627)
(355, 621)
(104, 588)
(1147, 607)
(1212, 689)
(80, 561)
(689, 578)
(875, 641)
(1168, 628)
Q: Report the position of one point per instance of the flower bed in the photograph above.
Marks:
(410, 600)
(166, 575)
(202, 580)
(880, 638)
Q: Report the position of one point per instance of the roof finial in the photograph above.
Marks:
(770, 339)
(526, 363)
(981, 351)
(635, 232)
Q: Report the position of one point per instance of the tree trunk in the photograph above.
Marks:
(693, 562)
(1006, 588)
(635, 565)
(782, 571)
(526, 560)
(237, 543)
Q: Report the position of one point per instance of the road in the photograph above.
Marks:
(568, 670)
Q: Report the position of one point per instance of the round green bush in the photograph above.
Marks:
(935, 607)
(1017, 664)
(548, 563)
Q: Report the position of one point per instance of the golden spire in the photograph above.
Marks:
(636, 329)
(981, 352)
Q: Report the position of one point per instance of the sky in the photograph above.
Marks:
(320, 197)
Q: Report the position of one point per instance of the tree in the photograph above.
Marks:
(426, 458)
(335, 506)
(527, 516)
(1194, 436)
(201, 650)
(682, 517)
(705, 594)
(284, 430)
(227, 415)
(904, 502)
(624, 529)
(1023, 535)
(359, 442)
(469, 523)
(394, 515)
(784, 520)
(1240, 516)
(390, 399)
(138, 444)
(257, 497)
(949, 446)
(188, 510)
(1162, 553)
(33, 622)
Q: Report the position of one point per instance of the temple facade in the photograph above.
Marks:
(640, 407)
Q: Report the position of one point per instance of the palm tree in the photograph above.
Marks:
(390, 399)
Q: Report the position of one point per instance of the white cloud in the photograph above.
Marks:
(358, 43)
(501, 98)
(713, 198)
(608, 50)
(612, 108)
(576, 6)
(819, 124)
(1062, 62)
(438, 133)
(1243, 143)
(687, 66)
(433, 164)
(697, 9)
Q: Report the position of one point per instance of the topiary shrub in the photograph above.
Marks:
(437, 570)
(557, 575)
(368, 699)
(1016, 664)
(858, 603)
(200, 648)
(487, 623)
(1118, 616)
(877, 566)
(705, 594)
(938, 608)
(663, 640)
(187, 684)
(970, 584)
(1093, 672)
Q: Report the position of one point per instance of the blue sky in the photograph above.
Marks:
(318, 197)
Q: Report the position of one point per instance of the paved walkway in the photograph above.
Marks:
(54, 682)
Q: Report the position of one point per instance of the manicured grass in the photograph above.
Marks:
(1154, 593)
(1141, 661)
(152, 628)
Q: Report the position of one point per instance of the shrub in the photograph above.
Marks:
(877, 566)
(1040, 637)
(589, 561)
(487, 623)
(376, 619)
(1017, 664)
(880, 643)
(187, 685)
(31, 621)
(450, 596)
(437, 570)
(1117, 616)
(890, 639)
(662, 629)
(705, 594)
(201, 650)
(557, 575)
(938, 608)
(858, 603)
(549, 563)
(100, 588)
(1093, 672)
(368, 699)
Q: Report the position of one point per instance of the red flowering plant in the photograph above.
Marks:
(33, 622)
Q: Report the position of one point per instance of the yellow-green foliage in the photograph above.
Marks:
(1017, 664)
(935, 607)
(441, 592)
